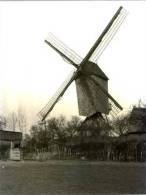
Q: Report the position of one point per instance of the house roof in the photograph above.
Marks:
(138, 113)
(10, 136)
(91, 68)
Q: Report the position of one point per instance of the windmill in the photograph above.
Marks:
(91, 82)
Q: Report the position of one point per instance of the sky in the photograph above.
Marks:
(31, 72)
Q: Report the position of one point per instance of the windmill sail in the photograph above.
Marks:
(114, 110)
(106, 31)
(113, 102)
(109, 35)
(50, 105)
(67, 53)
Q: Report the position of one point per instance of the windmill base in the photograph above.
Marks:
(94, 125)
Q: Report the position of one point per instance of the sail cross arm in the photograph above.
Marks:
(106, 93)
(109, 35)
(60, 92)
(103, 34)
(67, 53)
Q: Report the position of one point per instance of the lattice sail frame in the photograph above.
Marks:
(109, 36)
(55, 98)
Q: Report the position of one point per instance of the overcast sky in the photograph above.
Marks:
(31, 71)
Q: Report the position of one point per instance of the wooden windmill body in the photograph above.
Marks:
(91, 81)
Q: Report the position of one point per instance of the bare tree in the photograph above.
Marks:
(72, 126)
(16, 120)
(22, 120)
(2, 122)
(12, 121)
(58, 127)
(120, 125)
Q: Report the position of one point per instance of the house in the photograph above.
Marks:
(10, 143)
(135, 138)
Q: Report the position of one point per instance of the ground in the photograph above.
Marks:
(71, 178)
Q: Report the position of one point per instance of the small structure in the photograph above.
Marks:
(135, 139)
(10, 143)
